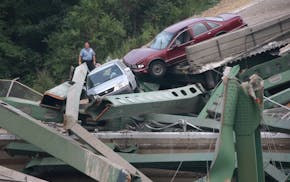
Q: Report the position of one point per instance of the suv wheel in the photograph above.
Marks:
(157, 69)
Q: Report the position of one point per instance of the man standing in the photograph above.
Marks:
(88, 56)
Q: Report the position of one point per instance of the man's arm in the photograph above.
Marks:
(80, 57)
(80, 60)
(94, 60)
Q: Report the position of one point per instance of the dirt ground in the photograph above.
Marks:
(225, 6)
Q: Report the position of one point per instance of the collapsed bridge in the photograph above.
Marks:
(191, 132)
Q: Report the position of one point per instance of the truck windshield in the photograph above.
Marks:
(103, 76)
(162, 40)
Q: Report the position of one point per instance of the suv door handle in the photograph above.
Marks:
(209, 33)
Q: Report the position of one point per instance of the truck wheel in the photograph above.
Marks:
(157, 69)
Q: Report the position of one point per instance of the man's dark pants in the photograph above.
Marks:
(90, 64)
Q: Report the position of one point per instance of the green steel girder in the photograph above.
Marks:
(267, 69)
(59, 146)
(241, 114)
(275, 173)
(10, 175)
(186, 99)
(191, 161)
(17, 148)
(169, 119)
(282, 97)
(248, 137)
(56, 97)
(33, 109)
(276, 124)
(70, 123)
(276, 80)
(223, 166)
(217, 93)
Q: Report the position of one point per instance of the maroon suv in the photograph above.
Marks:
(168, 47)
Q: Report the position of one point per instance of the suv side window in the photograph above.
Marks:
(183, 38)
(198, 29)
(212, 24)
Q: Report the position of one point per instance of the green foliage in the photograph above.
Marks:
(45, 37)
(85, 22)
(24, 25)
(43, 81)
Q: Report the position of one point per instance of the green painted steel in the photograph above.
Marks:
(186, 99)
(169, 119)
(191, 161)
(277, 80)
(240, 133)
(273, 156)
(268, 69)
(276, 124)
(223, 166)
(33, 109)
(217, 93)
(56, 97)
(59, 146)
(282, 97)
(248, 139)
(273, 171)
(13, 88)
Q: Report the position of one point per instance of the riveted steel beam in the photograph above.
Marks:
(268, 69)
(169, 119)
(217, 93)
(186, 99)
(7, 174)
(275, 172)
(276, 80)
(59, 146)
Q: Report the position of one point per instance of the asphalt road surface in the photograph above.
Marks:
(262, 10)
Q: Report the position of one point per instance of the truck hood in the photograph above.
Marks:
(138, 55)
(107, 85)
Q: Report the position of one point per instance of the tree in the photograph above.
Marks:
(43, 38)
(85, 22)
(24, 27)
